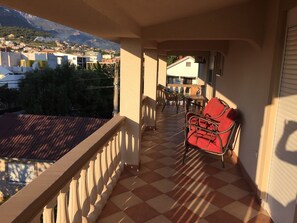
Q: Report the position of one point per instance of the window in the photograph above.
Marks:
(22, 173)
(188, 64)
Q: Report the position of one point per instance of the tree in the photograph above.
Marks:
(171, 59)
(67, 91)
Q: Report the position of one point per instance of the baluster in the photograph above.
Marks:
(120, 152)
(74, 207)
(48, 211)
(104, 175)
(92, 185)
(62, 211)
(107, 170)
(116, 158)
(99, 203)
(83, 192)
(111, 164)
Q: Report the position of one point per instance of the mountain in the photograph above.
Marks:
(11, 17)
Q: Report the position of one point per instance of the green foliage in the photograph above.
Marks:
(171, 59)
(8, 97)
(67, 91)
(27, 35)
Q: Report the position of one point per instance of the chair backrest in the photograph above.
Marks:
(227, 123)
(215, 108)
(170, 96)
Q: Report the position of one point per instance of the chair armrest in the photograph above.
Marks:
(202, 122)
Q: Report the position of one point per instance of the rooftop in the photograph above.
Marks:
(39, 137)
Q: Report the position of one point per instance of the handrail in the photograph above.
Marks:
(73, 169)
(180, 88)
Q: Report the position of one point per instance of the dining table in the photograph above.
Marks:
(194, 100)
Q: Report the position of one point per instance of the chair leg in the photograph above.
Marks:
(185, 154)
(164, 104)
(223, 162)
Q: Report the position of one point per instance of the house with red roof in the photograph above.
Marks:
(29, 144)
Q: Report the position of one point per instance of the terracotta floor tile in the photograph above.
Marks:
(168, 152)
(117, 217)
(159, 219)
(199, 189)
(250, 200)
(222, 216)
(201, 207)
(126, 174)
(145, 159)
(181, 195)
(235, 170)
(241, 211)
(146, 192)
(261, 218)
(182, 180)
(233, 191)
(242, 184)
(164, 185)
(146, 213)
(162, 203)
(227, 177)
(125, 200)
(118, 189)
(150, 177)
(109, 209)
(210, 170)
(218, 199)
(213, 182)
(182, 215)
(132, 182)
(155, 155)
(166, 171)
(153, 165)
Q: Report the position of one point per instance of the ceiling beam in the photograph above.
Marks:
(239, 22)
(195, 46)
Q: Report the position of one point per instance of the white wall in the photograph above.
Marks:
(179, 69)
(7, 188)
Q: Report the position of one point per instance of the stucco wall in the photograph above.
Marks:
(245, 84)
(181, 70)
(7, 188)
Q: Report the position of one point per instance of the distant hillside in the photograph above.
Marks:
(10, 17)
(26, 34)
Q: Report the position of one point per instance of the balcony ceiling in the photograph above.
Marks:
(155, 20)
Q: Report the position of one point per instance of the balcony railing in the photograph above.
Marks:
(185, 88)
(76, 187)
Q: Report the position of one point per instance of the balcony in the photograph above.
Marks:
(88, 185)
(165, 190)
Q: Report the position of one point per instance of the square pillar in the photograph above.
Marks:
(162, 70)
(131, 97)
(150, 86)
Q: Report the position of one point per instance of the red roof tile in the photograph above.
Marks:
(38, 137)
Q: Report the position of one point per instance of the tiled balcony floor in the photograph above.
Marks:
(165, 190)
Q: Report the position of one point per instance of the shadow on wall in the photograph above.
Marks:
(286, 187)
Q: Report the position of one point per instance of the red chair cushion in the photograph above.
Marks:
(214, 108)
(209, 141)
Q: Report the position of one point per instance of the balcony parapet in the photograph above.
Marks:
(76, 187)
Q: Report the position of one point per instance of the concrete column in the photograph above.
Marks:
(162, 70)
(150, 86)
(131, 97)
